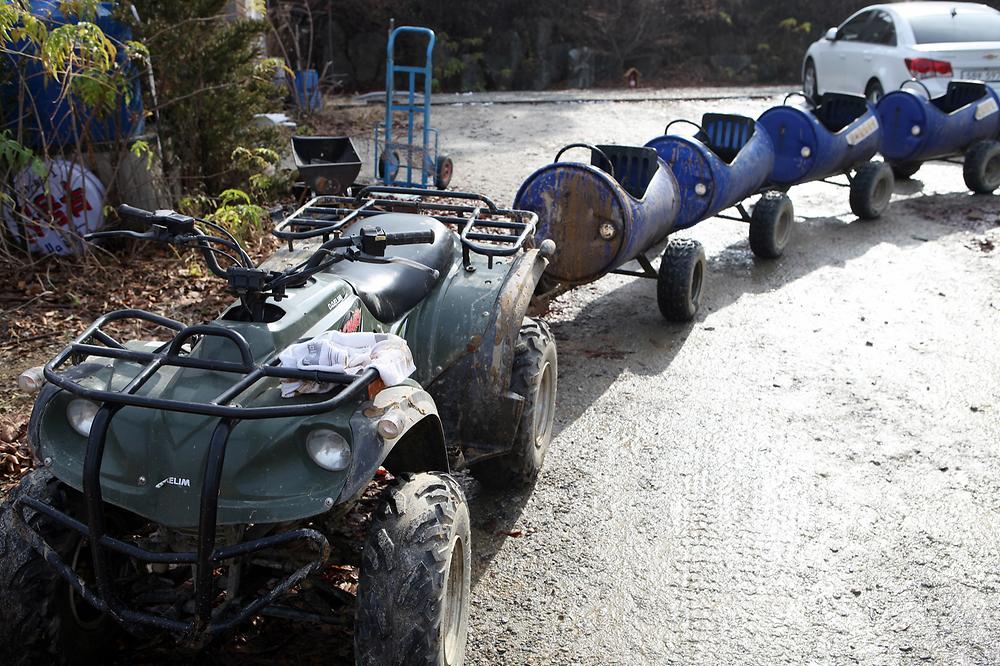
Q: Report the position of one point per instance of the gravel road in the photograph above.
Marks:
(805, 474)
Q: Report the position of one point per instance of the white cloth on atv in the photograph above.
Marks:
(350, 353)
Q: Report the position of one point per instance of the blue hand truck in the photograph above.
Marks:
(398, 161)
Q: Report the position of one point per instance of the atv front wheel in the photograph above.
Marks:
(42, 619)
(534, 378)
(680, 278)
(416, 573)
(771, 225)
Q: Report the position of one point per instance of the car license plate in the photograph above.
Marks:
(991, 74)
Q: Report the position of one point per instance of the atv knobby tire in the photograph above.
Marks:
(871, 190)
(982, 167)
(41, 621)
(413, 592)
(533, 377)
(771, 225)
(680, 279)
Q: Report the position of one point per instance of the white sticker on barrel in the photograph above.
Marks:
(862, 132)
(987, 108)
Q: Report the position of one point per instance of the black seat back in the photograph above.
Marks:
(959, 94)
(725, 134)
(633, 166)
(837, 110)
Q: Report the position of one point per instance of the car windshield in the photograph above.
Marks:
(967, 26)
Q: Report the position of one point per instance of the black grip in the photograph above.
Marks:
(410, 237)
(134, 213)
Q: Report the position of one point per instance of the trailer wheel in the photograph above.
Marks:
(393, 167)
(871, 190)
(443, 170)
(414, 587)
(534, 377)
(906, 170)
(982, 167)
(680, 279)
(771, 225)
(42, 619)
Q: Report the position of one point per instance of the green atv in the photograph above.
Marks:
(178, 491)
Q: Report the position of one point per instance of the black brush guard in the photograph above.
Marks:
(207, 557)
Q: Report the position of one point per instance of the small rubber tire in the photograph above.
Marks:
(982, 167)
(37, 619)
(394, 168)
(811, 91)
(871, 190)
(680, 279)
(771, 225)
(874, 91)
(906, 170)
(534, 377)
(443, 171)
(416, 572)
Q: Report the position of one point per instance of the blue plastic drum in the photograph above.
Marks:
(728, 160)
(600, 215)
(917, 128)
(816, 142)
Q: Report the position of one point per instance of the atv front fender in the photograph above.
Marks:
(418, 446)
(479, 412)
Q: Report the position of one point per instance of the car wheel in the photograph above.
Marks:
(810, 84)
(874, 91)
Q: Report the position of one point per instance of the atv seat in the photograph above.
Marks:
(959, 94)
(390, 290)
(837, 110)
(633, 166)
(726, 134)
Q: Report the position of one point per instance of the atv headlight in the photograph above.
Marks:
(80, 413)
(328, 449)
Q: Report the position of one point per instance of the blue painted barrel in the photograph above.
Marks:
(816, 142)
(916, 128)
(597, 221)
(56, 119)
(728, 160)
(307, 90)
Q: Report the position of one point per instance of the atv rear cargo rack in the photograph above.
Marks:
(483, 227)
(206, 620)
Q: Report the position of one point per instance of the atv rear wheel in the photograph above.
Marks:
(533, 377)
(416, 573)
(771, 225)
(871, 190)
(42, 619)
(680, 279)
(982, 167)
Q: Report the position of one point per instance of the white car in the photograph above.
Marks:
(881, 46)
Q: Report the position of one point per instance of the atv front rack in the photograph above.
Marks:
(207, 621)
(484, 228)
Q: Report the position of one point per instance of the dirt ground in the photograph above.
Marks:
(805, 474)
(808, 473)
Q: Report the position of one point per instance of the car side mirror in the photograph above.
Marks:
(832, 34)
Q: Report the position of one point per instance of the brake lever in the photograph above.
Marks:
(358, 255)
